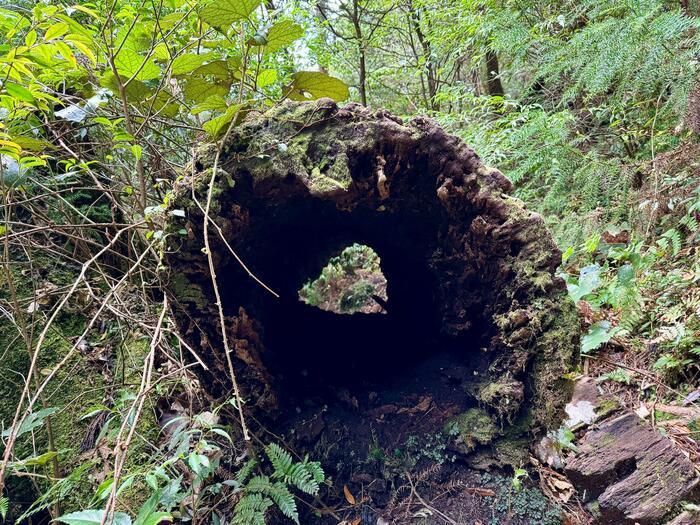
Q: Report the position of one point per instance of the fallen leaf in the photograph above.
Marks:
(348, 495)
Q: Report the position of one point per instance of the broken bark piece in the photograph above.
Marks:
(468, 267)
(636, 474)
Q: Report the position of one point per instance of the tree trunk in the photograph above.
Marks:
(493, 75)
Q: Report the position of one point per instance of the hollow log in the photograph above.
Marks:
(470, 271)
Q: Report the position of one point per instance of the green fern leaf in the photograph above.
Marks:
(250, 510)
(4, 507)
(281, 459)
(245, 471)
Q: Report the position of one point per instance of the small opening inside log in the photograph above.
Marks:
(351, 282)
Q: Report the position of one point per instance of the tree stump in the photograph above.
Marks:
(470, 271)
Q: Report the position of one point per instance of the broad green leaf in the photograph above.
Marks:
(30, 38)
(136, 91)
(156, 518)
(217, 125)
(312, 85)
(219, 69)
(281, 35)
(36, 461)
(626, 274)
(198, 89)
(32, 421)
(213, 103)
(82, 44)
(588, 282)
(598, 334)
(65, 51)
(266, 77)
(93, 517)
(222, 13)
(56, 31)
(19, 92)
(137, 151)
(161, 52)
(129, 62)
(184, 64)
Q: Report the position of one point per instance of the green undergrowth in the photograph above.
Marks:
(100, 376)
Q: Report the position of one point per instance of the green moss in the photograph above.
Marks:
(472, 428)
(77, 388)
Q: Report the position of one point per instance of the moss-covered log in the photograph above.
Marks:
(470, 270)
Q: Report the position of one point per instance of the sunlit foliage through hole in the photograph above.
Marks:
(351, 282)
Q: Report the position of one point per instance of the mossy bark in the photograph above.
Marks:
(465, 262)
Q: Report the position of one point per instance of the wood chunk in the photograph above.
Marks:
(636, 474)
(686, 518)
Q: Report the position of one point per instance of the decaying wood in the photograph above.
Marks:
(466, 263)
(635, 473)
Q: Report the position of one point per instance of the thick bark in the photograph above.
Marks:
(470, 271)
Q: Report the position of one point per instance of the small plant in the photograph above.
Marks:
(262, 491)
(518, 476)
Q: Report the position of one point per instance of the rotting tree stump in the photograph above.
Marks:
(478, 333)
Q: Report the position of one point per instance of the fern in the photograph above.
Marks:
(305, 476)
(250, 510)
(277, 492)
(261, 492)
(245, 472)
(281, 459)
(674, 237)
(4, 507)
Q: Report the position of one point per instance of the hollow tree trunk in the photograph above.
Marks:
(472, 289)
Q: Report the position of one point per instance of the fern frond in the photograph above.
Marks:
(674, 236)
(250, 510)
(4, 507)
(246, 470)
(277, 492)
(281, 459)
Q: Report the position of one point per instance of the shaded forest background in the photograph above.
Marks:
(591, 108)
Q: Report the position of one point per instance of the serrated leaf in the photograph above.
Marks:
(198, 89)
(312, 85)
(93, 517)
(184, 64)
(129, 63)
(213, 103)
(222, 13)
(215, 126)
(282, 34)
(266, 77)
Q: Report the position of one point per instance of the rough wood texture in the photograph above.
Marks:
(636, 474)
(466, 264)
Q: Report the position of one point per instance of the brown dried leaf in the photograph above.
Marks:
(348, 495)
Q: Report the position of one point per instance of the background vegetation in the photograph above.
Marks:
(592, 108)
